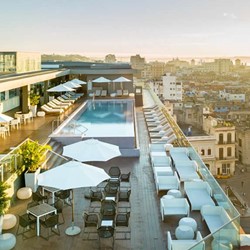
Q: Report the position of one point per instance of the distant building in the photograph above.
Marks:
(219, 66)
(224, 133)
(172, 89)
(110, 58)
(19, 62)
(158, 69)
(243, 144)
(138, 63)
(232, 96)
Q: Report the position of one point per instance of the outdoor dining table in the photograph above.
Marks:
(50, 190)
(39, 211)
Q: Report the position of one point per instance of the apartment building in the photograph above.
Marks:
(224, 133)
(19, 62)
(172, 89)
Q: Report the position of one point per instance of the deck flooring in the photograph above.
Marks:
(146, 230)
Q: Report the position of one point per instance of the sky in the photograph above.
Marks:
(151, 28)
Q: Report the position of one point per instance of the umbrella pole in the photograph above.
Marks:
(73, 230)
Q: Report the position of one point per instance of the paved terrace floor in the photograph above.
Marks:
(147, 231)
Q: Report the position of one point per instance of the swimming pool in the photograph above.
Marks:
(111, 121)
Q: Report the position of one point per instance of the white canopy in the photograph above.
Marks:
(101, 80)
(121, 79)
(72, 85)
(78, 81)
(91, 150)
(60, 88)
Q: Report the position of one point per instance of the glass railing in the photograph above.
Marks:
(229, 232)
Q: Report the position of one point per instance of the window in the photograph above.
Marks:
(225, 169)
(202, 152)
(220, 138)
(220, 153)
(209, 151)
(229, 151)
(240, 142)
(2, 96)
(229, 138)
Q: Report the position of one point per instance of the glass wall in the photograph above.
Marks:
(7, 62)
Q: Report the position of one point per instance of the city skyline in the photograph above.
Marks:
(153, 29)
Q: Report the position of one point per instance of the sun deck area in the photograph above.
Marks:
(146, 229)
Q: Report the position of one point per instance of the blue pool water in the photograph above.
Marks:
(103, 118)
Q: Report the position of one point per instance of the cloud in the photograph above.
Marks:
(230, 15)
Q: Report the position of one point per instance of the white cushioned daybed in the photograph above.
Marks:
(175, 206)
(187, 170)
(216, 217)
(199, 194)
(185, 244)
(167, 182)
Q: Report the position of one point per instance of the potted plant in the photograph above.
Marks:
(4, 202)
(33, 155)
(34, 100)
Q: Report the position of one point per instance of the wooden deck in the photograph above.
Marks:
(147, 231)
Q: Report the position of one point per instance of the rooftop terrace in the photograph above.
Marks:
(146, 229)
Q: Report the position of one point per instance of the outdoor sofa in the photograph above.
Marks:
(199, 194)
(167, 182)
(174, 206)
(185, 244)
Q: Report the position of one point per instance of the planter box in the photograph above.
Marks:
(31, 179)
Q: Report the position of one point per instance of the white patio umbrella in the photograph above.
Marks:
(60, 88)
(91, 150)
(72, 85)
(78, 81)
(121, 79)
(72, 175)
(5, 118)
(101, 80)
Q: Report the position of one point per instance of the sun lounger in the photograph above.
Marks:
(119, 92)
(97, 93)
(125, 92)
(59, 104)
(55, 106)
(162, 122)
(104, 93)
(159, 128)
(49, 110)
(65, 99)
(165, 139)
(66, 104)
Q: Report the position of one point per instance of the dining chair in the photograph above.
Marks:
(59, 208)
(25, 222)
(122, 219)
(125, 177)
(106, 232)
(124, 195)
(51, 223)
(91, 222)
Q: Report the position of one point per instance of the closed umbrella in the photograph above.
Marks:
(91, 150)
(72, 175)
